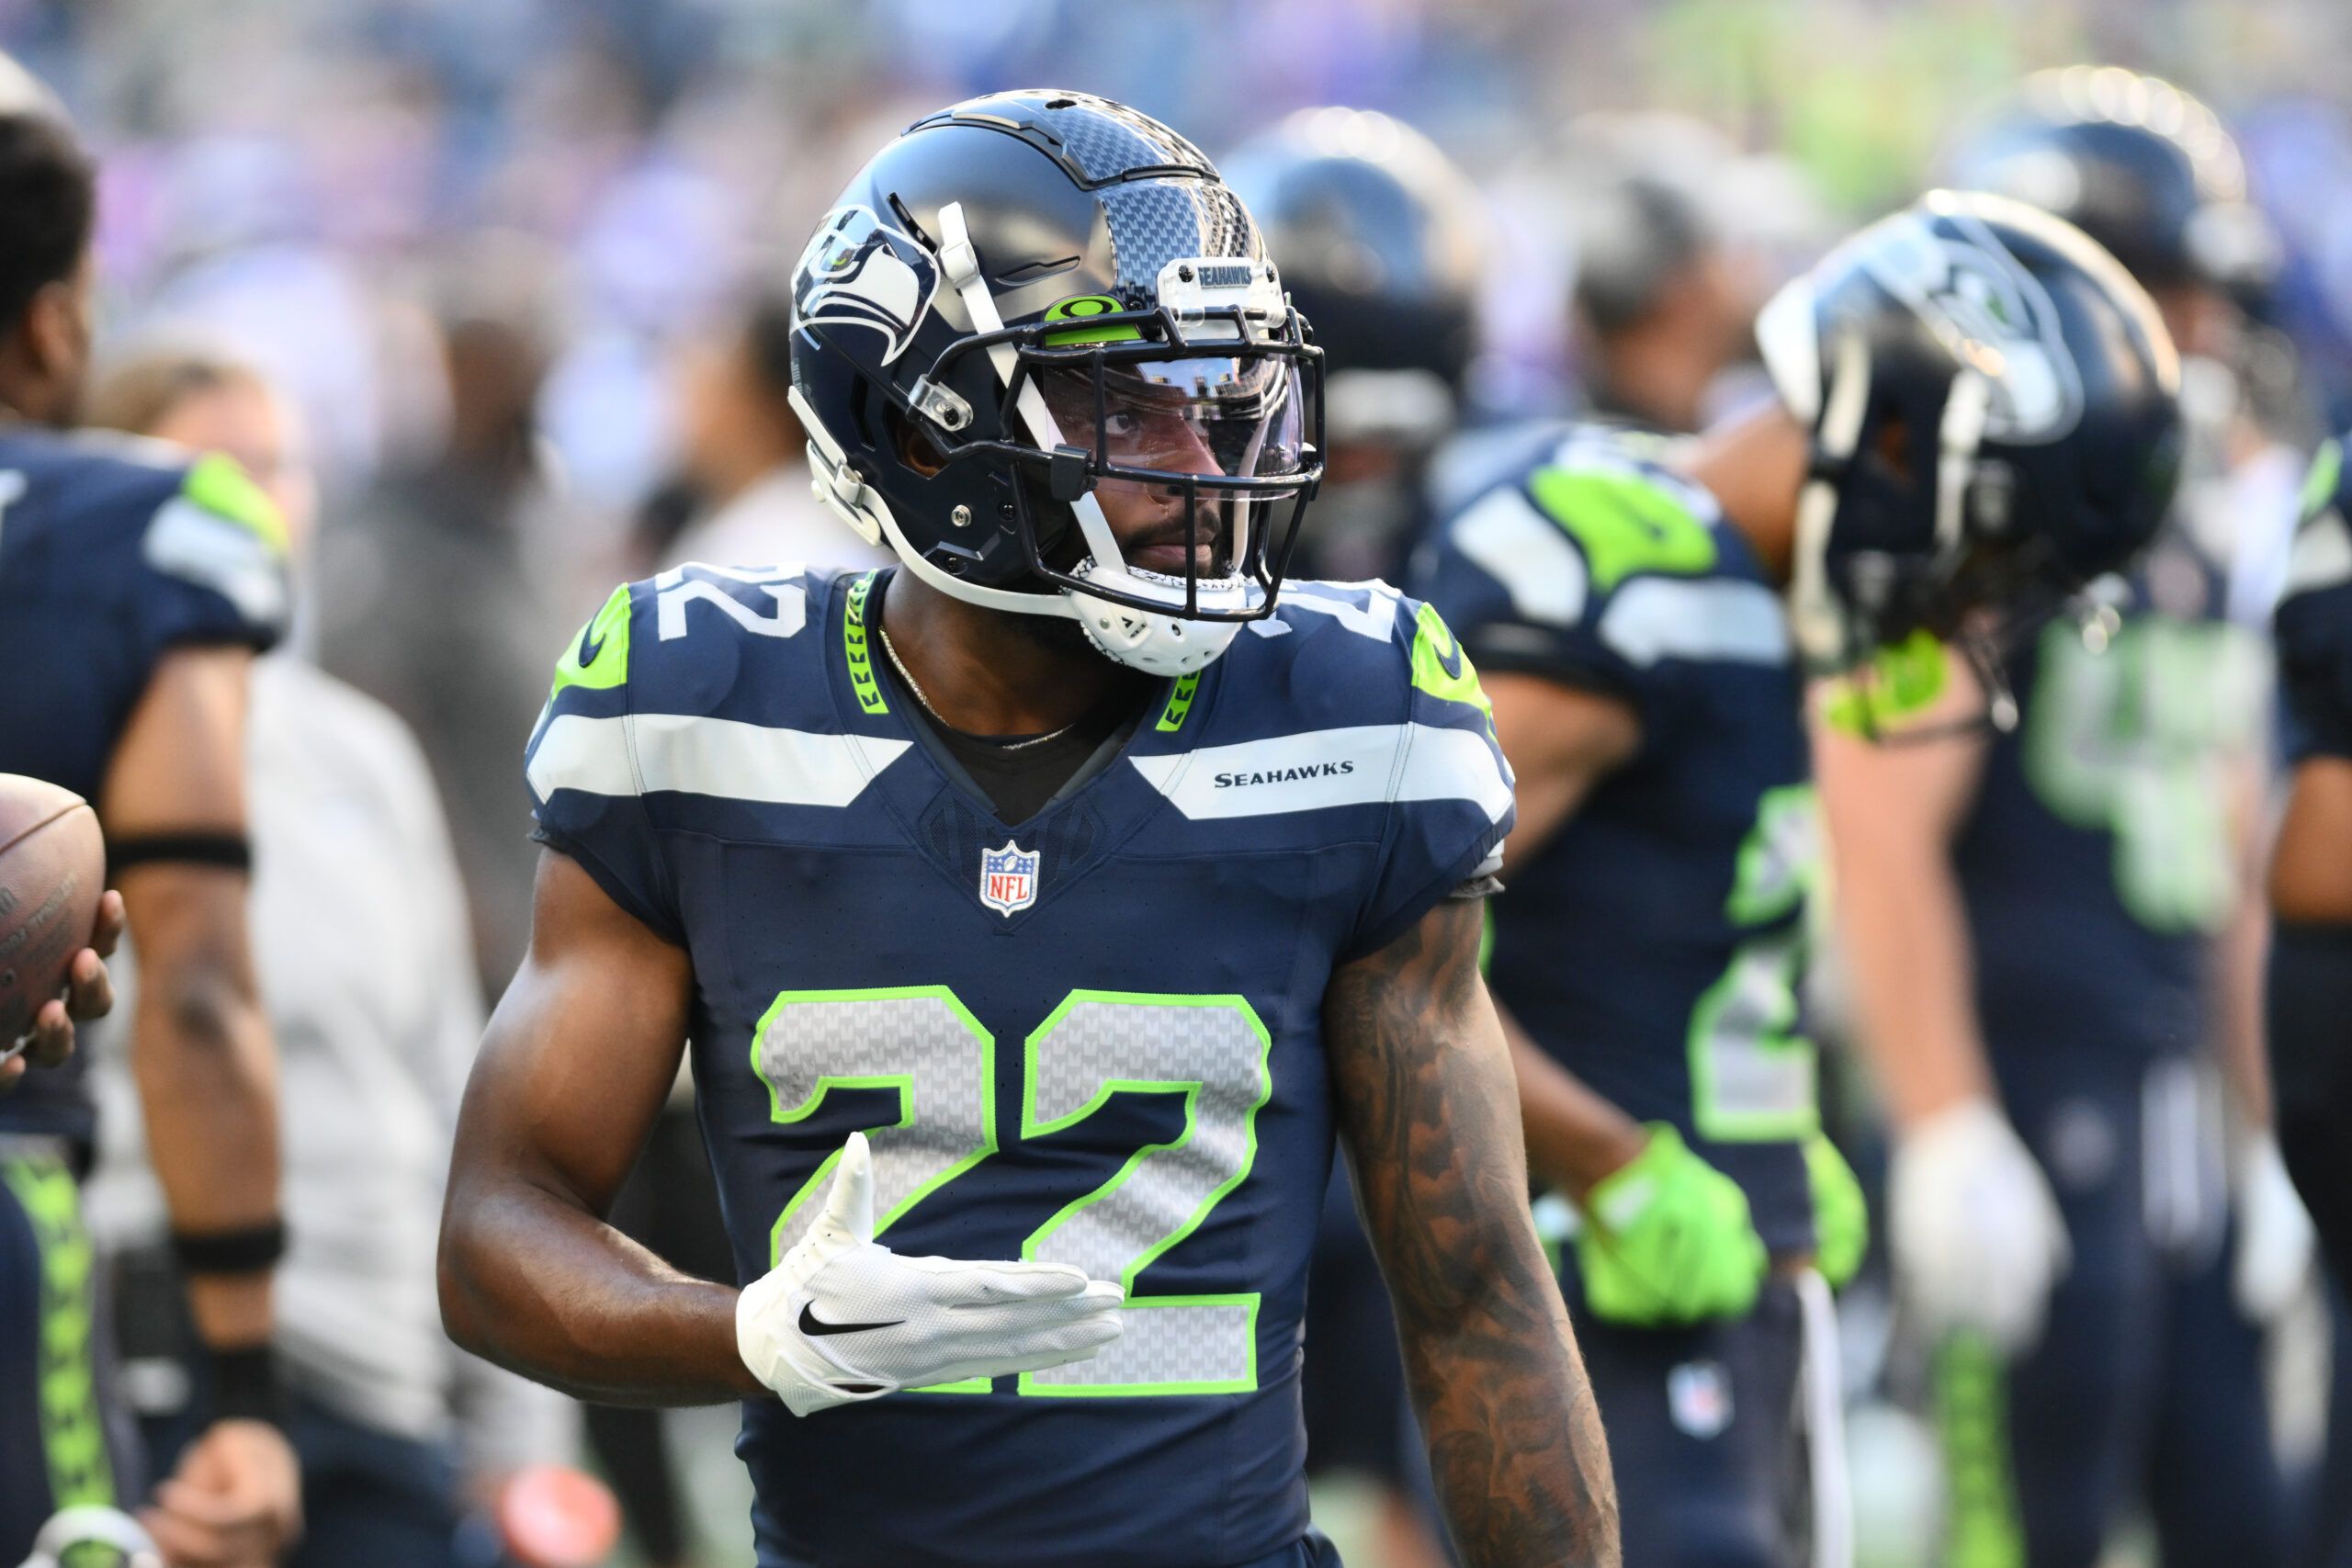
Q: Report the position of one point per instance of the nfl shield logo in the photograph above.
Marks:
(1008, 878)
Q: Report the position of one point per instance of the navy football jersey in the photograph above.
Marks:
(1094, 1038)
(113, 552)
(1656, 944)
(2100, 856)
(2314, 620)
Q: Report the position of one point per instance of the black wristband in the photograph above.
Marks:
(230, 851)
(245, 1386)
(255, 1249)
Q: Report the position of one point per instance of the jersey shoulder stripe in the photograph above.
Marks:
(704, 680)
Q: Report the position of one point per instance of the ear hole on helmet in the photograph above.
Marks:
(915, 445)
(1892, 446)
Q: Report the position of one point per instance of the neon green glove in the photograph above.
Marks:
(1841, 1220)
(1668, 1240)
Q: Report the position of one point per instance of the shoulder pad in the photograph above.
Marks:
(707, 641)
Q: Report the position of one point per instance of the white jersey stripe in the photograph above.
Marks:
(1528, 553)
(199, 546)
(719, 757)
(1652, 618)
(1364, 764)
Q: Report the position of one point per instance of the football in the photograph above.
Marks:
(53, 872)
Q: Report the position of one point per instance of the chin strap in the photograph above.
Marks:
(1821, 628)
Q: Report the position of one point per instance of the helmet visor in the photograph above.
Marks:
(1198, 461)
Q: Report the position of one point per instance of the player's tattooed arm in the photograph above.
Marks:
(576, 1065)
(1427, 1105)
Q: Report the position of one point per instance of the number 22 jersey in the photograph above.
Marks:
(1091, 1038)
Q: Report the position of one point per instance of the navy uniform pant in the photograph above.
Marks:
(2147, 1386)
(1702, 1432)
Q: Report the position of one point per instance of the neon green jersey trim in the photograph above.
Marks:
(1180, 702)
(1434, 649)
(1624, 524)
(1973, 1417)
(72, 1434)
(861, 663)
(216, 483)
(604, 641)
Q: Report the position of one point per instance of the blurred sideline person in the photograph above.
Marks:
(2046, 923)
(359, 934)
(1205, 995)
(1647, 630)
(441, 591)
(135, 587)
(1378, 236)
(743, 457)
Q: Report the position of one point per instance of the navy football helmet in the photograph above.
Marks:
(1995, 413)
(1378, 235)
(2139, 165)
(1030, 297)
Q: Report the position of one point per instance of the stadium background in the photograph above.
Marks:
(342, 191)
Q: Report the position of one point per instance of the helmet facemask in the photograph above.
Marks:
(1203, 406)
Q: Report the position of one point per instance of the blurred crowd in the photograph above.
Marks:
(485, 292)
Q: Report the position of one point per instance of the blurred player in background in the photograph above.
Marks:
(2311, 870)
(743, 457)
(2310, 979)
(443, 586)
(359, 933)
(1234, 912)
(135, 587)
(2045, 924)
(1378, 237)
(1647, 631)
(1663, 301)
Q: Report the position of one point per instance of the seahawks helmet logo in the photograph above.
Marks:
(860, 271)
(1993, 315)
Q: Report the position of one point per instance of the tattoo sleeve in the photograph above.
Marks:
(1430, 1115)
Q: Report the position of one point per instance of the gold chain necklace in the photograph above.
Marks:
(904, 674)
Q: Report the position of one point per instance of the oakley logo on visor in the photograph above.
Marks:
(860, 271)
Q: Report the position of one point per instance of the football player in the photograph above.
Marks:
(2046, 932)
(1039, 910)
(134, 588)
(1974, 404)
(2311, 870)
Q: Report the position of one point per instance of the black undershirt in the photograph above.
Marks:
(1020, 780)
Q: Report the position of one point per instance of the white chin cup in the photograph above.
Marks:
(1160, 645)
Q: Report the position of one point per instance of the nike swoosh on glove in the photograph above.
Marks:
(1667, 1239)
(1976, 1234)
(878, 1323)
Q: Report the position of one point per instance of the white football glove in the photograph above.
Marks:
(842, 1319)
(1977, 1240)
(2275, 1238)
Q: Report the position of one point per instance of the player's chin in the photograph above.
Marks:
(1172, 560)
